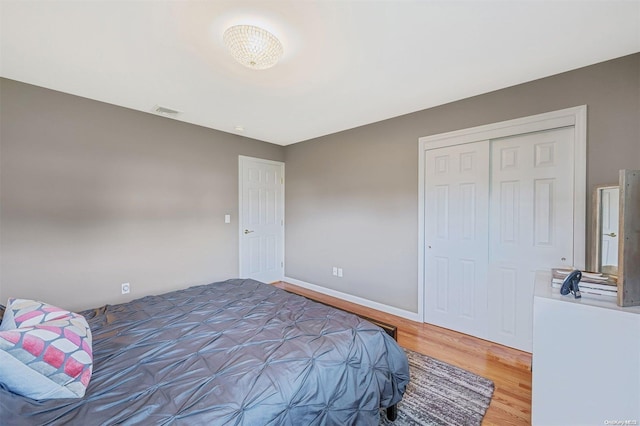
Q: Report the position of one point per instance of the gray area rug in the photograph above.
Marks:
(441, 394)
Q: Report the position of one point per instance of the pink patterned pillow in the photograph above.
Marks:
(45, 352)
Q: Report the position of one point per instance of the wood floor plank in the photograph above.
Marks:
(509, 368)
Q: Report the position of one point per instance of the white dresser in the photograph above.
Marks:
(586, 360)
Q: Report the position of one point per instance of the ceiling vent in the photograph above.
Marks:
(167, 112)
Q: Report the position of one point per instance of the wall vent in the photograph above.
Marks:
(167, 112)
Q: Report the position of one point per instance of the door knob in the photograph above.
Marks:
(611, 234)
(246, 231)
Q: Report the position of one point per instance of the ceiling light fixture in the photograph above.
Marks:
(252, 46)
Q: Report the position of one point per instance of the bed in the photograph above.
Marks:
(235, 352)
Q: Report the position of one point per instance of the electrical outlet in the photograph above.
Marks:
(126, 288)
(339, 272)
(335, 271)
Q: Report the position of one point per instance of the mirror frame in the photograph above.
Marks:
(596, 225)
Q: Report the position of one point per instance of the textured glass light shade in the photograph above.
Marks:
(252, 46)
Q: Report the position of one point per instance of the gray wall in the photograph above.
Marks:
(94, 195)
(352, 197)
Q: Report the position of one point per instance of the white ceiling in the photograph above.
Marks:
(346, 63)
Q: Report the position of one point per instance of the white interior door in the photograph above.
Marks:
(456, 255)
(534, 184)
(531, 210)
(609, 217)
(261, 219)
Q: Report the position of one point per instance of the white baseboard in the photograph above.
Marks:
(355, 299)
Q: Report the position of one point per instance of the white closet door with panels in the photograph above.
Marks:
(456, 204)
(497, 204)
(531, 226)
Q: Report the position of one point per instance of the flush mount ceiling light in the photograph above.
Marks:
(252, 46)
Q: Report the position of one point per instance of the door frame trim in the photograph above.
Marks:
(241, 160)
(575, 116)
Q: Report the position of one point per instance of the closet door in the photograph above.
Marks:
(531, 211)
(456, 237)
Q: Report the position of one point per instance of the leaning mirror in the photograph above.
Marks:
(606, 205)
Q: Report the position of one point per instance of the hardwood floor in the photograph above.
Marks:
(509, 369)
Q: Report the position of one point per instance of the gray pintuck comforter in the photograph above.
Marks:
(234, 352)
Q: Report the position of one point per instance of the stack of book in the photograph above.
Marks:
(592, 283)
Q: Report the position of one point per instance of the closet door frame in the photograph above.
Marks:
(576, 117)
